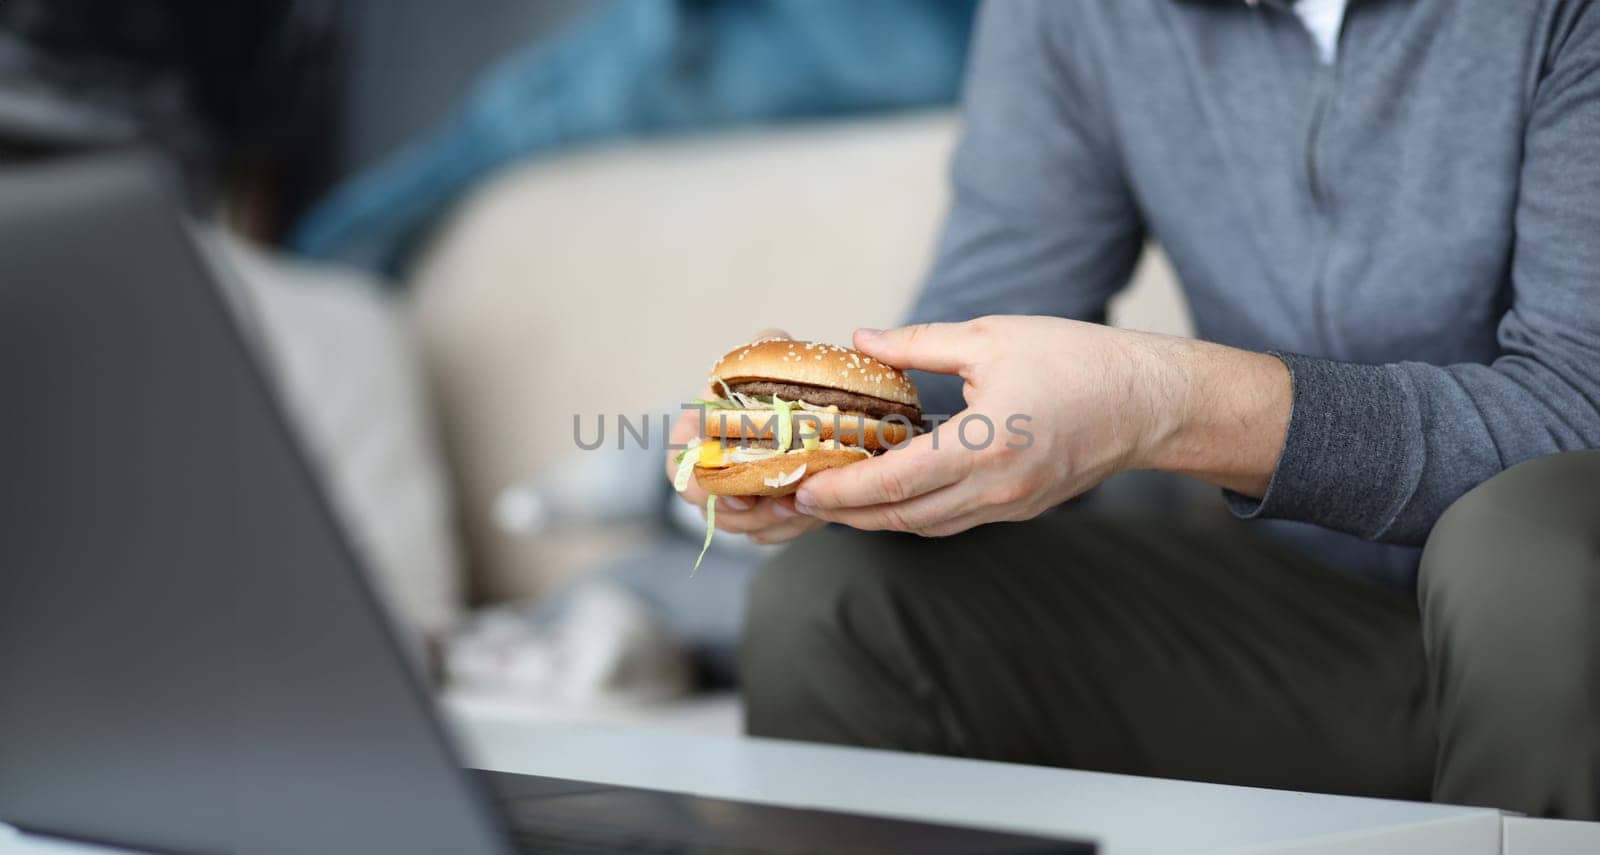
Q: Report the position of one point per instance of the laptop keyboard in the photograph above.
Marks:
(595, 841)
(554, 815)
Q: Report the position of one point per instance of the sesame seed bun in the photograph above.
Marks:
(749, 479)
(815, 364)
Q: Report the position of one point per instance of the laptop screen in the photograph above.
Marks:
(190, 659)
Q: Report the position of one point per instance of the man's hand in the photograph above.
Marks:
(765, 520)
(1053, 408)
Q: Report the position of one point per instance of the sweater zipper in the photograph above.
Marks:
(1319, 109)
(1325, 84)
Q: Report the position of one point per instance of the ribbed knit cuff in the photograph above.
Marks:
(1351, 457)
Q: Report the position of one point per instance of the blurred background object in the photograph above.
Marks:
(350, 374)
(239, 94)
(407, 64)
(643, 67)
(553, 209)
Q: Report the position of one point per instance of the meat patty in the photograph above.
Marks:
(822, 396)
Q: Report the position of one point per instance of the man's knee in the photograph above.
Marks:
(819, 658)
(794, 626)
(1519, 552)
(801, 596)
(1510, 587)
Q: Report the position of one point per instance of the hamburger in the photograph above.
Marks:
(785, 409)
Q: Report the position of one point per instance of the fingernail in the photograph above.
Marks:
(734, 503)
(802, 497)
(782, 511)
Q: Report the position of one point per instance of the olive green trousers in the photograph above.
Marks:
(1210, 652)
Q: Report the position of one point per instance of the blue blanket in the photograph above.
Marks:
(650, 66)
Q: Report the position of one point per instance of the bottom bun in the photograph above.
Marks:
(749, 479)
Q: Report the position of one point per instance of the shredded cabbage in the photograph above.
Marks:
(711, 528)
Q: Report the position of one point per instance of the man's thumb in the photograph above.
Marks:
(939, 348)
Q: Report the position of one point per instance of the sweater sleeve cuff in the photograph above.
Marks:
(1350, 458)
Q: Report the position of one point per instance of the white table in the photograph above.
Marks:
(1125, 814)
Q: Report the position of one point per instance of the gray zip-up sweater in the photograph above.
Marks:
(1415, 228)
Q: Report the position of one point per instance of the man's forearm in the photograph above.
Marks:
(1222, 413)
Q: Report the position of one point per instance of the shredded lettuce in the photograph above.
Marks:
(711, 528)
(686, 462)
(809, 429)
(714, 404)
(749, 454)
(780, 411)
(732, 400)
(813, 408)
(739, 400)
(687, 448)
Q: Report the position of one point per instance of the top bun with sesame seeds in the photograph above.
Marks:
(822, 367)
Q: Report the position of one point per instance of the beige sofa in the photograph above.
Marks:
(607, 280)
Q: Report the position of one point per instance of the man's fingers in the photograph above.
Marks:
(786, 531)
(694, 495)
(938, 514)
(956, 525)
(940, 348)
(920, 515)
(897, 476)
(767, 513)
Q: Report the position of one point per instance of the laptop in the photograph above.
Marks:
(191, 659)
